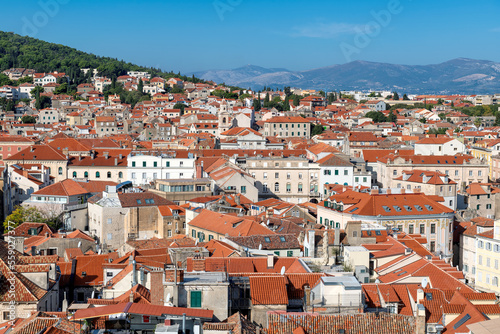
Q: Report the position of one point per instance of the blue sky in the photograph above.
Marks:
(189, 36)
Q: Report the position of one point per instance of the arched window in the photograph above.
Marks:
(276, 186)
(224, 120)
(120, 174)
(86, 174)
(59, 170)
(109, 175)
(74, 174)
(97, 175)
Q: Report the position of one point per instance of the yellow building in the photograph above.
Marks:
(488, 260)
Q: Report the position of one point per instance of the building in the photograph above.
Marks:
(430, 183)
(292, 179)
(483, 199)
(181, 190)
(409, 213)
(287, 126)
(146, 167)
(487, 260)
(439, 146)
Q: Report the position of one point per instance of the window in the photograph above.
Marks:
(488, 246)
(479, 173)
(144, 175)
(336, 172)
(422, 229)
(146, 319)
(433, 246)
(193, 233)
(480, 260)
(478, 207)
(144, 164)
(195, 298)
(410, 229)
(395, 172)
(480, 244)
(276, 186)
(168, 163)
(288, 187)
(466, 268)
(289, 253)
(120, 174)
(265, 175)
(60, 171)
(288, 176)
(133, 175)
(110, 236)
(243, 189)
(276, 175)
(494, 282)
(74, 174)
(488, 206)
(433, 228)
(133, 163)
(86, 174)
(110, 220)
(300, 188)
(300, 176)
(488, 262)
(97, 175)
(265, 188)
(155, 164)
(109, 175)
(346, 172)
(456, 173)
(80, 296)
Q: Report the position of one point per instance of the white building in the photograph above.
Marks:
(439, 146)
(145, 167)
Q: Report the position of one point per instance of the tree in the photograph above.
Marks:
(140, 86)
(317, 129)
(256, 104)
(423, 120)
(376, 116)
(286, 103)
(478, 121)
(296, 100)
(392, 117)
(266, 101)
(28, 119)
(405, 97)
(395, 96)
(442, 115)
(43, 102)
(180, 106)
(22, 214)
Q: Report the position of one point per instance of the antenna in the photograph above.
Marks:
(282, 270)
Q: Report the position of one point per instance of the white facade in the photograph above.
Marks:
(143, 168)
(451, 147)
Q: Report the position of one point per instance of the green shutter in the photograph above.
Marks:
(195, 298)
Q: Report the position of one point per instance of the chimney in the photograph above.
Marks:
(32, 149)
(120, 156)
(131, 297)
(106, 155)
(374, 192)
(270, 261)
(79, 157)
(307, 296)
(389, 191)
(420, 325)
(25, 173)
(116, 161)
(403, 191)
(237, 199)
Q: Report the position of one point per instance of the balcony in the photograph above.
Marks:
(75, 207)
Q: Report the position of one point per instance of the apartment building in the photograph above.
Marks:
(145, 167)
(287, 126)
(292, 179)
(487, 260)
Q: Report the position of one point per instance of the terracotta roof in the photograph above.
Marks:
(70, 187)
(268, 290)
(38, 152)
(226, 224)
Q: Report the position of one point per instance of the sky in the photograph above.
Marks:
(190, 36)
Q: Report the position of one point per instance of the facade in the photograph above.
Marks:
(146, 167)
(292, 179)
(487, 260)
(181, 190)
(439, 146)
(286, 126)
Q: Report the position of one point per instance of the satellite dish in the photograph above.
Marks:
(196, 242)
(260, 246)
(424, 282)
(377, 281)
(99, 252)
(282, 270)
(168, 297)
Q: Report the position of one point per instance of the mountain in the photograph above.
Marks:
(459, 75)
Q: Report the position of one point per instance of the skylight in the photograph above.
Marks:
(418, 207)
(428, 207)
(408, 208)
(267, 239)
(377, 232)
(386, 208)
(353, 210)
(139, 201)
(282, 239)
(404, 272)
(462, 321)
(428, 296)
(397, 208)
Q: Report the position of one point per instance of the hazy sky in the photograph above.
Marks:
(223, 34)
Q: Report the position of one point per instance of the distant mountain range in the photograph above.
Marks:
(461, 75)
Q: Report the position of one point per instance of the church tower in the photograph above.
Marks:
(225, 117)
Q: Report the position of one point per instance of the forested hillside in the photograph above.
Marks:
(27, 52)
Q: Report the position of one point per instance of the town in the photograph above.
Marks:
(205, 208)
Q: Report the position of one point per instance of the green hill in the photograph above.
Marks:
(27, 52)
